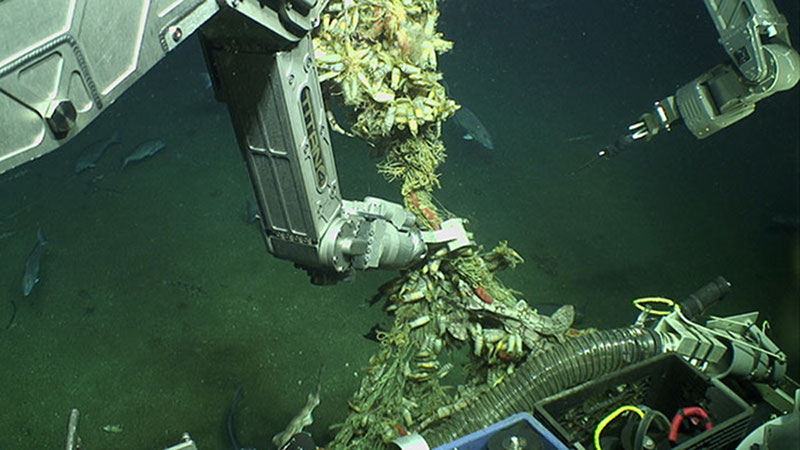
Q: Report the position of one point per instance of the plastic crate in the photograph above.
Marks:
(520, 424)
(665, 383)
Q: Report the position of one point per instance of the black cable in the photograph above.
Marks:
(644, 425)
(230, 423)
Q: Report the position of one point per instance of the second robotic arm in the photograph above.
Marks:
(763, 62)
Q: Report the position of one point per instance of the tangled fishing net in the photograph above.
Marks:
(457, 329)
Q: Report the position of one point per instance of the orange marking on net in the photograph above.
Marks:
(485, 296)
(414, 199)
(431, 216)
(505, 356)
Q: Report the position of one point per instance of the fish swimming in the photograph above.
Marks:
(144, 151)
(32, 265)
(88, 158)
(473, 127)
(470, 124)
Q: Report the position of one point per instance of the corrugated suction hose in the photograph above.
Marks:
(567, 365)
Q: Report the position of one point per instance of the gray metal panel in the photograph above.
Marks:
(284, 141)
(86, 52)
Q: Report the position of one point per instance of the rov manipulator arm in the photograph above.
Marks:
(273, 93)
(62, 64)
(762, 62)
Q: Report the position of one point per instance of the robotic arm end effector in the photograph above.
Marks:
(718, 98)
(379, 234)
(369, 234)
(664, 113)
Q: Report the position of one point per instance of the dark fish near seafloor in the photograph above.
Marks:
(88, 158)
(143, 151)
(33, 264)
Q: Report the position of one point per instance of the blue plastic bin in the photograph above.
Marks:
(479, 439)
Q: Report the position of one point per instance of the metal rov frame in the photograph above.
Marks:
(62, 63)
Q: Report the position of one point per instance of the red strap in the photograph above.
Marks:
(691, 411)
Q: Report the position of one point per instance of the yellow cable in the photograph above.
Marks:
(609, 418)
(641, 303)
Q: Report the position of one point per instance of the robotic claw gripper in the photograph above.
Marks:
(762, 62)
